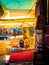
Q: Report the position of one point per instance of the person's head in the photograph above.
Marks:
(21, 40)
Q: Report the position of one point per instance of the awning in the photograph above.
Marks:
(18, 24)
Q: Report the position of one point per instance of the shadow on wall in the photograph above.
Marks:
(1, 11)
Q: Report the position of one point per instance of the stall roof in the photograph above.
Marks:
(14, 25)
(26, 8)
(18, 4)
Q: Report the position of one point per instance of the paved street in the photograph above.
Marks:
(21, 63)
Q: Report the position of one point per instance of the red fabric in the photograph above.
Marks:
(47, 41)
(22, 56)
(15, 47)
(47, 35)
(47, 30)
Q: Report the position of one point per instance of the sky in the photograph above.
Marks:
(18, 4)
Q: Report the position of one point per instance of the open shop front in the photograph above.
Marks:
(11, 36)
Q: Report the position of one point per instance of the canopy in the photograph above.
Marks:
(18, 4)
(14, 25)
(18, 7)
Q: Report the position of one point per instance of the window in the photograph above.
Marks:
(31, 31)
(24, 30)
(6, 33)
(16, 31)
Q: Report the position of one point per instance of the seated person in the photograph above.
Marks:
(20, 45)
(14, 33)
